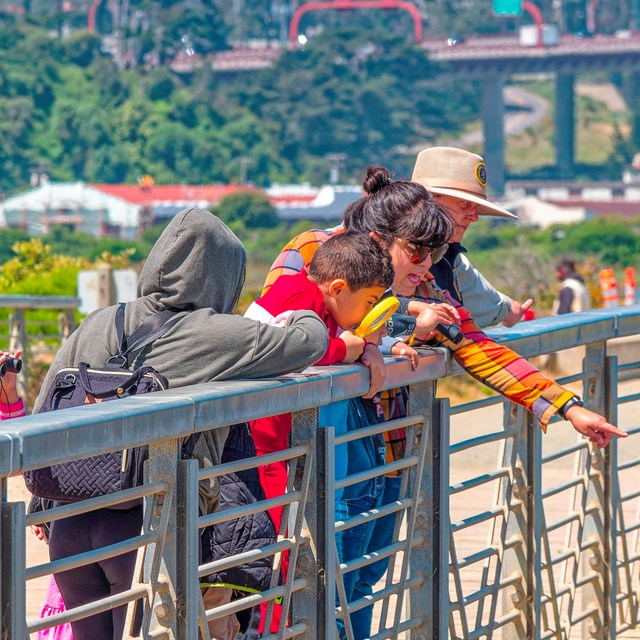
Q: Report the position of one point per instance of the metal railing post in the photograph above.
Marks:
(187, 543)
(522, 537)
(66, 325)
(314, 605)
(13, 581)
(431, 561)
(595, 535)
(612, 502)
(160, 561)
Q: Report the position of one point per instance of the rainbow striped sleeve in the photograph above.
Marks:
(296, 255)
(498, 367)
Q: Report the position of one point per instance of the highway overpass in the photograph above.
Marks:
(493, 60)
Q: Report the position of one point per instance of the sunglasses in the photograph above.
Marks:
(419, 252)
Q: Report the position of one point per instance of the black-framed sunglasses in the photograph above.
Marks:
(419, 252)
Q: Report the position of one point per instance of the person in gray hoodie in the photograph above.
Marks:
(197, 265)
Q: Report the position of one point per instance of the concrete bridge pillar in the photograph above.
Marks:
(565, 125)
(493, 125)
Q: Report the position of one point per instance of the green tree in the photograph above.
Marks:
(358, 97)
(615, 240)
(82, 47)
(251, 209)
(8, 239)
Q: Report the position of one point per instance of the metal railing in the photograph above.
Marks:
(536, 539)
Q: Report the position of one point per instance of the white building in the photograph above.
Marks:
(104, 209)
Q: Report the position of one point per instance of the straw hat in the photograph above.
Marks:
(458, 173)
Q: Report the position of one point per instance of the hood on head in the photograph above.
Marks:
(196, 263)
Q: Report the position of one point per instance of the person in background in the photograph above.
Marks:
(11, 404)
(458, 180)
(573, 295)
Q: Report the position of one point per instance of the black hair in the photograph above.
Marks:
(355, 257)
(398, 209)
(566, 264)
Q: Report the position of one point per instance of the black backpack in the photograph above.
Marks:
(75, 386)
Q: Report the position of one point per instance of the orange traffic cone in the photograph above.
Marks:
(609, 288)
(629, 286)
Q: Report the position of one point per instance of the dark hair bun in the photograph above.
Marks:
(375, 179)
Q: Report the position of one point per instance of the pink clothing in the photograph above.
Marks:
(53, 603)
(15, 410)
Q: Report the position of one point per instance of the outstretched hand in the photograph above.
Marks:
(517, 311)
(593, 426)
(432, 315)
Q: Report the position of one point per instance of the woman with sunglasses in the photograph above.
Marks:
(403, 217)
(406, 219)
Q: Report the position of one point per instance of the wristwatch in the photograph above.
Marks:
(570, 403)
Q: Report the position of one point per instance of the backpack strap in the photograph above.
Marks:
(119, 322)
(150, 330)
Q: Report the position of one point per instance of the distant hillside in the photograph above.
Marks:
(107, 106)
(67, 110)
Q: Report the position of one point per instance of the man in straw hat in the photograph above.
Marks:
(458, 180)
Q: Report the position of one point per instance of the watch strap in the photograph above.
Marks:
(570, 403)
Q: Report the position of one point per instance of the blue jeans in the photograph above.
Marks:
(381, 537)
(335, 415)
(361, 454)
(351, 544)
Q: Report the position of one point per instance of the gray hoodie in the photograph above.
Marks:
(197, 264)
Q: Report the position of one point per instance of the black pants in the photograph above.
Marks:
(86, 532)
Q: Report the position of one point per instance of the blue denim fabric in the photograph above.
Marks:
(352, 544)
(335, 415)
(363, 454)
(381, 537)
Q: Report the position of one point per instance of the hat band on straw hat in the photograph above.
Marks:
(453, 184)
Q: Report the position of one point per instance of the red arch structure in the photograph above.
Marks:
(536, 14)
(341, 5)
(91, 17)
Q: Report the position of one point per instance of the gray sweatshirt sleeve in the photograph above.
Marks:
(282, 350)
(487, 305)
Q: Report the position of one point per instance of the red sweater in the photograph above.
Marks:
(296, 293)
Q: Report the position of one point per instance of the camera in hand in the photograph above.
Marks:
(451, 332)
(10, 365)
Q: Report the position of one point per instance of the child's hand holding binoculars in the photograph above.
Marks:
(10, 365)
